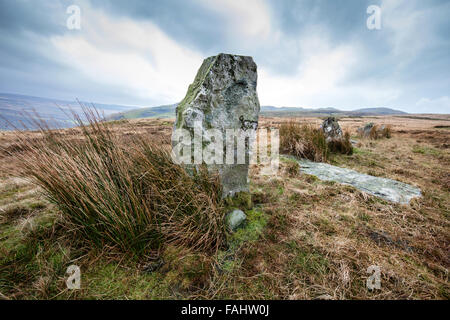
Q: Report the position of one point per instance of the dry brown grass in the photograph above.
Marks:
(322, 237)
(303, 141)
(306, 141)
(318, 240)
(379, 132)
(343, 146)
(125, 193)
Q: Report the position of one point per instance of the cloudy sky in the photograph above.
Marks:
(310, 53)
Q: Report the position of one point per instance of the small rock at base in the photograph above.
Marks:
(235, 218)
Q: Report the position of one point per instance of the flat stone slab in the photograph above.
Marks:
(387, 189)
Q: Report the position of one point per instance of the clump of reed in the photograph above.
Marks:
(305, 141)
(302, 140)
(343, 146)
(376, 132)
(127, 194)
(385, 132)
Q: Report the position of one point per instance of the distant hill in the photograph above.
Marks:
(323, 112)
(382, 111)
(57, 112)
(168, 111)
(165, 111)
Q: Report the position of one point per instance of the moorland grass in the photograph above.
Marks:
(380, 132)
(313, 240)
(305, 141)
(302, 140)
(123, 193)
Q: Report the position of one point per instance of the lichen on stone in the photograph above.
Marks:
(223, 96)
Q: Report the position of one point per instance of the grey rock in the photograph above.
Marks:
(331, 129)
(387, 189)
(223, 96)
(366, 129)
(235, 218)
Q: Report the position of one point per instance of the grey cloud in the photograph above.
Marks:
(26, 27)
(186, 21)
(40, 17)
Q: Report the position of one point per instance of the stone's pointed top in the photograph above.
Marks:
(227, 59)
(224, 84)
(230, 55)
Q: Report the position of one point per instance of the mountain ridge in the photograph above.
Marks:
(58, 112)
(168, 111)
(15, 107)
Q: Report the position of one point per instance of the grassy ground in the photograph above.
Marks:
(304, 238)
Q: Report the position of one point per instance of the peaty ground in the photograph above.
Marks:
(304, 239)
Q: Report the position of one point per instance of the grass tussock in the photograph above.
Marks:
(124, 193)
(302, 140)
(377, 132)
(386, 132)
(343, 146)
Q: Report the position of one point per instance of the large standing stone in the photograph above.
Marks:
(223, 96)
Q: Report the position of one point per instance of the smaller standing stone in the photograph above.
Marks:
(235, 218)
(332, 129)
(365, 131)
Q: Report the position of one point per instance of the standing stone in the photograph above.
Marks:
(331, 129)
(373, 131)
(366, 129)
(223, 96)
